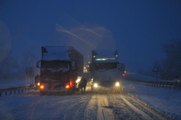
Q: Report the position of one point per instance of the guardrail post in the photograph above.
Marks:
(18, 91)
(5, 93)
(10, 92)
(14, 90)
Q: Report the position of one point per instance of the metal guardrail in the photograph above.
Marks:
(164, 84)
(15, 90)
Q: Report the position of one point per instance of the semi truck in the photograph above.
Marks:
(61, 68)
(106, 70)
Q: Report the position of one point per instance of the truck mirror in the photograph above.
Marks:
(119, 66)
(38, 64)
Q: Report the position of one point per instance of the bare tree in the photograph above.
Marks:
(28, 65)
(9, 68)
(171, 66)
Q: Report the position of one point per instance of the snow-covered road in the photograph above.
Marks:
(77, 107)
(163, 99)
(89, 106)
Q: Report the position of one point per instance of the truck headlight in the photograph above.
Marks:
(117, 84)
(38, 84)
(95, 85)
(78, 79)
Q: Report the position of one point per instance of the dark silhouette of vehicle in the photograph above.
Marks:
(60, 67)
(106, 70)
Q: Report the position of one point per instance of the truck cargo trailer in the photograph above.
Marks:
(60, 68)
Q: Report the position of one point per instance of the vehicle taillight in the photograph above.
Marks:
(67, 86)
(42, 87)
(124, 73)
(71, 83)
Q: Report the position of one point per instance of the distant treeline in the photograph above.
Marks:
(14, 68)
(170, 66)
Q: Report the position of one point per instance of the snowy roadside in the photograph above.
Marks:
(164, 99)
(68, 107)
(43, 107)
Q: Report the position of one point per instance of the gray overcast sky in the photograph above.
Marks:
(137, 28)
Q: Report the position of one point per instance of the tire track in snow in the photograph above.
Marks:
(103, 112)
(121, 110)
(136, 109)
(153, 112)
(76, 110)
(98, 109)
(91, 109)
(128, 107)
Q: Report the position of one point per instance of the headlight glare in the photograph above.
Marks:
(117, 84)
(95, 85)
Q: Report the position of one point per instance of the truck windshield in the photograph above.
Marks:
(55, 65)
(99, 66)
